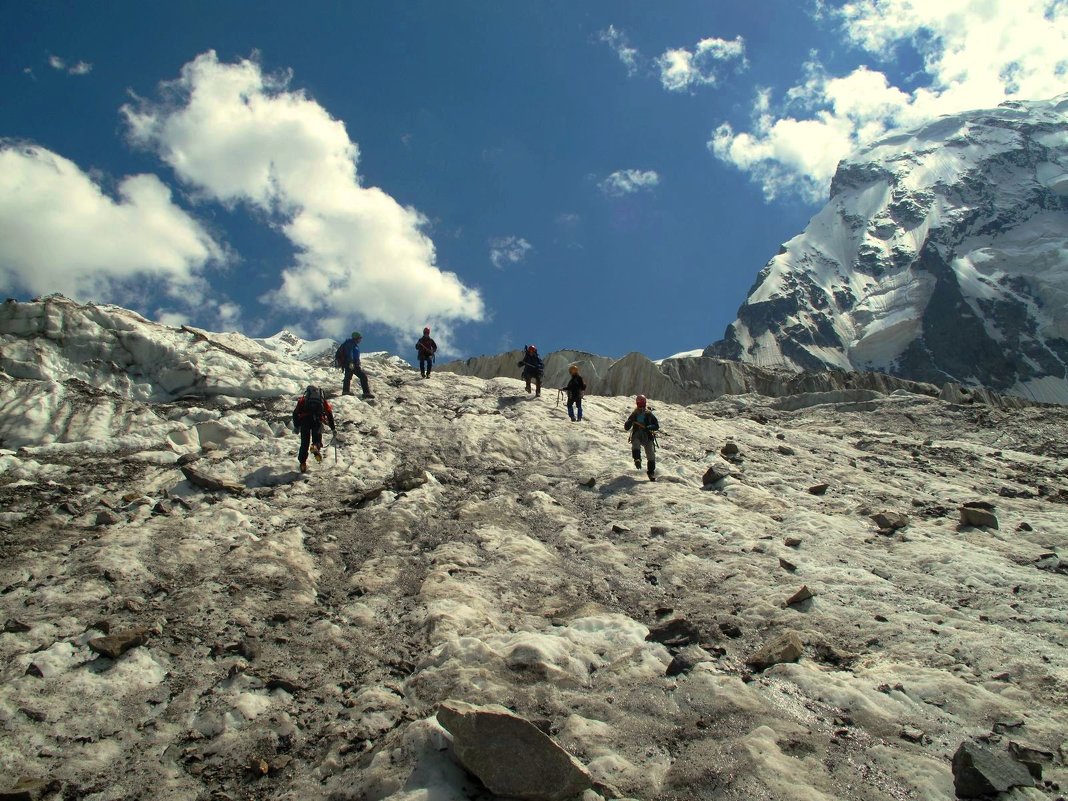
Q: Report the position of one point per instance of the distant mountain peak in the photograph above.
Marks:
(939, 257)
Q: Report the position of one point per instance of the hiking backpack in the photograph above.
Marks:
(340, 356)
(314, 403)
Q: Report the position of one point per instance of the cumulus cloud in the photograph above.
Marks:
(682, 69)
(61, 232)
(617, 40)
(237, 135)
(79, 68)
(976, 54)
(508, 250)
(626, 182)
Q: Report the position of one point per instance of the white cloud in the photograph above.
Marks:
(625, 182)
(977, 54)
(237, 135)
(617, 40)
(508, 250)
(682, 69)
(81, 68)
(61, 232)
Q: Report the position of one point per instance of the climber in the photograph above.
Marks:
(644, 425)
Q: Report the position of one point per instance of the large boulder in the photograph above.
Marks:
(979, 772)
(510, 755)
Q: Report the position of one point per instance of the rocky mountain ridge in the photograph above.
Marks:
(696, 379)
(940, 257)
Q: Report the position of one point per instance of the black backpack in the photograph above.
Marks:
(340, 355)
(314, 404)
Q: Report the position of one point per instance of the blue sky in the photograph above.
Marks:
(604, 176)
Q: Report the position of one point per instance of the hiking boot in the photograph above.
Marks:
(346, 393)
(304, 467)
(316, 453)
(367, 396)
(638, 463)
(652, 476)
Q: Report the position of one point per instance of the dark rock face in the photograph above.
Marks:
(951, 278)
(510, 755)
(979, 772)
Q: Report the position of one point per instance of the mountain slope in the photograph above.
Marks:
(296, 634)
(941, 256)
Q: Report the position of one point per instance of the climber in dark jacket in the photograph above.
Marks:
(533, 367)
(575, 389)
(644, 425)
(425, 349)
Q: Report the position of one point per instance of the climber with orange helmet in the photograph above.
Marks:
(643, 436)
(533, 367)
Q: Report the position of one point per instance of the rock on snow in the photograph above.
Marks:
(296, 639)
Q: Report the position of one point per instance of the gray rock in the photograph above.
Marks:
(408, 477)
(115, 645)
(786, 647)
(979, 771)
(510, 755)
(714, 474)
(675, 633)
(13, 626)
(800, 596)
(790, 567)
(730, 449)
(786, 450)
(210, 483)
(972, 515)
(818, 489)
(30, 790)
(106, 518)
(792, 542)
(681, 663)
(890, 520)
(912, 734)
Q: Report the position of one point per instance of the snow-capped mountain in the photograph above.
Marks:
(290, 344)
(942, 255)
(816, 599)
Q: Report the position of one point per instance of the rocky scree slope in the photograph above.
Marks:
(940, 257)
(287, 637)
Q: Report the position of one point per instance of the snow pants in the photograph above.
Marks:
(308, 435)
(536, 378)
(354, 370)
(649, 445)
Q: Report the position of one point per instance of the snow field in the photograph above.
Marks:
(507, 578)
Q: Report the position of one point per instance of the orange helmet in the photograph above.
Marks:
(640, 400)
